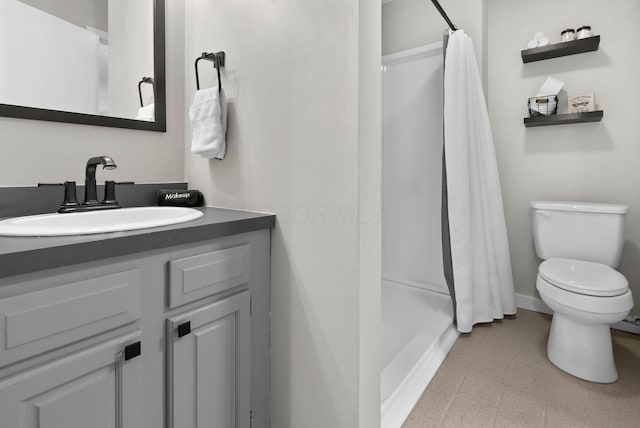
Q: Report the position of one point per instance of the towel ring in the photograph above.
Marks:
(218, 61)
(145, 80)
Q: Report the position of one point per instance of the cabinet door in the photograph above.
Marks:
(95, 388)
(208, 365)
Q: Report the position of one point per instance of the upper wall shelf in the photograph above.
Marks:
(573, 47)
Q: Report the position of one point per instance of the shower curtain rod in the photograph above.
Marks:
(444, 14)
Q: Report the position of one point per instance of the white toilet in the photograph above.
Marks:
(581, 243)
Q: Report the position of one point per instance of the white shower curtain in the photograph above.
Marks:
(482, 277)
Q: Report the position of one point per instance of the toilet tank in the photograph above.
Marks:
(579, 230)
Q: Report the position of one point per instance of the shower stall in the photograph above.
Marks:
(438, 158)
(417, 312)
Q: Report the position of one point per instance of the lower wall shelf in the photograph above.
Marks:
(563, 119)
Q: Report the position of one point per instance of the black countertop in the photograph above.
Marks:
(20, 255)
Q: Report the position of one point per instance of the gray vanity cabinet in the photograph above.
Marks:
(96, 388)
(174, 337)
(209, 366)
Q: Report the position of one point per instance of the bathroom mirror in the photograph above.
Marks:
(91, 62)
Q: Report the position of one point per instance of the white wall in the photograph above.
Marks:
(36, 151)
(595, 162)
(300, 145)
(369, 206)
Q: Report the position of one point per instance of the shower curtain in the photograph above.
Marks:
(476, 250)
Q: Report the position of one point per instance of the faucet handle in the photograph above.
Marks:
(70, 195)
(110, 192)
(70, 202)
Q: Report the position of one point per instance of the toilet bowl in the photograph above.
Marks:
(585, 298)
(581, 244)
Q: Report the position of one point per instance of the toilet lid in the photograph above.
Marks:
(593, 279)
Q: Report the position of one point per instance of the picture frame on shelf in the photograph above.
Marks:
(581, 103)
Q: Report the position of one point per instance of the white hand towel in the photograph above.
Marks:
(208, 116)
(147, 113)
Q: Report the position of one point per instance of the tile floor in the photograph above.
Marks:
(499, 376)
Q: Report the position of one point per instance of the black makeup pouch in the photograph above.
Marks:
(179, 198)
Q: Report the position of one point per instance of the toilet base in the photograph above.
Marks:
(582, 349)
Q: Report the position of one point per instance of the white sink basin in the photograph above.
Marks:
(83, 223)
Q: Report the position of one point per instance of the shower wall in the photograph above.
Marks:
(407, 24)
(412, 168)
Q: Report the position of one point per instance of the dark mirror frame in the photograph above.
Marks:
(159, 125)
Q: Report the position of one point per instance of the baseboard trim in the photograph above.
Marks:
(534, 304)
(629, 327)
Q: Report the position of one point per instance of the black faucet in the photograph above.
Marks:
(90, 188)
(70, 204)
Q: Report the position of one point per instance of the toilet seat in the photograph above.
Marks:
(583, 303)
(586, 278)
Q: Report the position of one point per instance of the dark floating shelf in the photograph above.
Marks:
(556, 50)
(564, 119)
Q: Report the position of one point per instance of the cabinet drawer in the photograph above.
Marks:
(40, 321)
(199, 276)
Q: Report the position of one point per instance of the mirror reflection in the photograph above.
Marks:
(93, 57)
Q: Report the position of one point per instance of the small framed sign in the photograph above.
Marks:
(582, 103)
